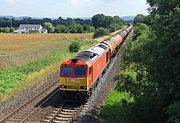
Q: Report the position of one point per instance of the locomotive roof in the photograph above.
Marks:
(98, 49)
(92, 54)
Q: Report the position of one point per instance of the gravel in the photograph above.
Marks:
(91, 111)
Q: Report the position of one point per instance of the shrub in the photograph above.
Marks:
(87, 28)
(92, 29)
(101, 32)
(113, 27)
(74, 47)
(140, 29)
(75, 28)
(60, 29)
(49, 26)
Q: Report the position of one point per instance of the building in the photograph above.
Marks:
(30, 28)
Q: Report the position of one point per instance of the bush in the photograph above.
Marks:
(49, 26)
(74, 47)
(101, 32)
(60, 29)
(79, 28)
(11, 29)
(113, 27)
(87, 28)
(75, 28)
(116, 108)
(92, 29)
(140, 29)
(7, 30)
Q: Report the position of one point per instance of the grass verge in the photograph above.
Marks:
(116, 107)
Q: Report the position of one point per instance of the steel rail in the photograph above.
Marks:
(27, 102)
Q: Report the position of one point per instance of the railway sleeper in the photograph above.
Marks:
(55, 111)
(69, 110)
(68, 113)
(49, 117)
(46, 120)
(57, 121)
(63, 119)
(65, 115)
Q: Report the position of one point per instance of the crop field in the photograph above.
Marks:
(26, 58)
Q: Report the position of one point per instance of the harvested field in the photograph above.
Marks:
(27, 58)
(20, 49)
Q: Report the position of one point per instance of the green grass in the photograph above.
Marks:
(15, 79)
(116, 107)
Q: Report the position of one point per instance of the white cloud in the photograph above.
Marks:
(11, 1)
(78, 2)
(74, 2)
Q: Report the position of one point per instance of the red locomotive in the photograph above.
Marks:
(80, 73)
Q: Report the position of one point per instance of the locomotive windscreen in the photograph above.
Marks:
(80, 71)
(67, 71)
(73, 71)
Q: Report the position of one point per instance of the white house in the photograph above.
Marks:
(30, 28)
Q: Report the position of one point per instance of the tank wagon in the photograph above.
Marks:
(79, 74)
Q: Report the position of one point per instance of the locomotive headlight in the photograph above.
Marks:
(83, 87)
(62, 86)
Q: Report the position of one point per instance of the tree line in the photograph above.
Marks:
(151, 66)
(69, 25)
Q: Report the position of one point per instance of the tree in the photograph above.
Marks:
(92, 29)
(140, 18)
(100, 32)
(150, 71)
(166, 26)
(11, 29)
(49, 27)
(139, 29)
(7, 30)
(79, 28)
(60, 29)
(118, 20)
(101, 20)
(98, 20)
(87, 28)
(113, 27)
(75, 28)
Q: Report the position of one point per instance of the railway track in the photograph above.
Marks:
(66, 113)
(26, 110)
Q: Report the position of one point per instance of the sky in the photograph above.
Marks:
(72, 8)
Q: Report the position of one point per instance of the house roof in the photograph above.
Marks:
(29, 26)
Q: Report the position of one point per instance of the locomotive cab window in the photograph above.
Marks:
(67, 71)
(90, 70)
(80, 71)
(107, 57)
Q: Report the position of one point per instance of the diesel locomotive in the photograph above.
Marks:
(79, 74)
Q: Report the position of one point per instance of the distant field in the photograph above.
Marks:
(18, 49)
(26, 58)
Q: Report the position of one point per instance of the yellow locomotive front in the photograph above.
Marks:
(73, 76)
